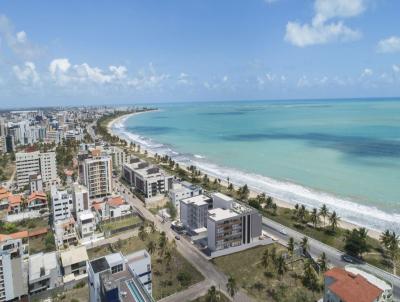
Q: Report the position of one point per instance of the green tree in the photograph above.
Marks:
(281, 267)
(324, 212)
(310, 278)
(291, 246)
(304, 245)
(334, 221)
(151, 247)
(265, 259)
(323, 262)
(356, 242)
(231, 286)
(212, 295)
(314, 217)
(142, 233)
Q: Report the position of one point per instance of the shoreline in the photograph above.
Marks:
(348, 225)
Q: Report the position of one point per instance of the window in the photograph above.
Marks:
(116, 268)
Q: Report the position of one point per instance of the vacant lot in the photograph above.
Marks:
(168, 277)
(117, 224)
(264, 284)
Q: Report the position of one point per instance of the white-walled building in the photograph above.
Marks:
(74, 263)
(97, 176)
(194, 211)
(13, 277)
(44, 272)
(36, 183)
(231, 224)
(80, 198)
(121, 278)
(86, 224)
(182, 190)
(61, 204)
(34, 163)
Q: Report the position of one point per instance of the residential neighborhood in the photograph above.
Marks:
(90, 216)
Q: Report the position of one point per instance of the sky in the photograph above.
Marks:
(124, 52)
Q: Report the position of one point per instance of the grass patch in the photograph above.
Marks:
(77, 294)
(44, 243)
(170, 278)
(121, 223)
(265, 284)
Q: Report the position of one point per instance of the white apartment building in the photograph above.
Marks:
(27, 164)
(48, 166)
(97, 176)
(80, 198)
(150, 181)
(231, 224)
(61, 204)
(13, 277)
(36, 183)
(121, 278)
(118, 156)
(182, 190)
(86, 224)
(34, 163)
(44, 272)
(194, 212)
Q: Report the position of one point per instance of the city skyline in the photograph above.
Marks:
(96, 53)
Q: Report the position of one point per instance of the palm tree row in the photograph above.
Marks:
(391, 241)
(302, 214)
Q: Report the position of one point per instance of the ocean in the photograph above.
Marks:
(344, 153)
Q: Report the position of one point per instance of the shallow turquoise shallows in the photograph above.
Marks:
(345, 153)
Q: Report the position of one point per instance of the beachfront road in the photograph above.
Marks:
(334, 256)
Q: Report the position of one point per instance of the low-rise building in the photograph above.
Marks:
(354, 285)
(74, 263)
(65, 233)
(194, 211)
(14, 204)
(44, 272)
(121, 278)
(37, 201)
(80, 199)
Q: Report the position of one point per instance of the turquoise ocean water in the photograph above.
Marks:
(345, 153)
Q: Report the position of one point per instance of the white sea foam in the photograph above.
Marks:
(362, 215)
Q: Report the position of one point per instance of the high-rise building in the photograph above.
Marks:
(97, 175)
(194, 211)
(80, 198)
(34, 163)
(10, 146)
(61, 203)
(13, 277)
(231, 224)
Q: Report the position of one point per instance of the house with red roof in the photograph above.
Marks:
(4, 194)
(14, 204)
(37, 201)
(354, 285)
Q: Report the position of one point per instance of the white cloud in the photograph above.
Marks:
(26, 74)
(389, 45)
(322, 32)
(367, 72)
(396, 68)
(303, 82)
(148, 78)
(184, 79)
(17, 42)
(225, 79)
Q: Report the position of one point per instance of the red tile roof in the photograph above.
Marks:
(4, 193)
(17, 235)
(116, 201)
(352, 288)
(14, 199)
(37, 195)
(38, 232)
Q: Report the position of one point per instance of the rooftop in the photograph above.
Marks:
(41, 264)
(350, 287)
(74, 255)
(221, 214)
(99, 265)
(198, 200)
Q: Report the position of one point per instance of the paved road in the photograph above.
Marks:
(192, 293)
(316, 248)
(192, 254)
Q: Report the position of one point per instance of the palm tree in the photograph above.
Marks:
(151, 247)
(162, 243)
(394, 250)
(314, 218)
(385, 238)
(142, 233)
(265, 259)
(281, 267)
(212, 294)
(269, 202)
(324, 212)
(334, 220)
(231, 286)
(230, 187)
(304, 245)
(291, 246)
(323, 263)
(168, 256)
(152, 227)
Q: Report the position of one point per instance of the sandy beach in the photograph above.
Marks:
(253, 193)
